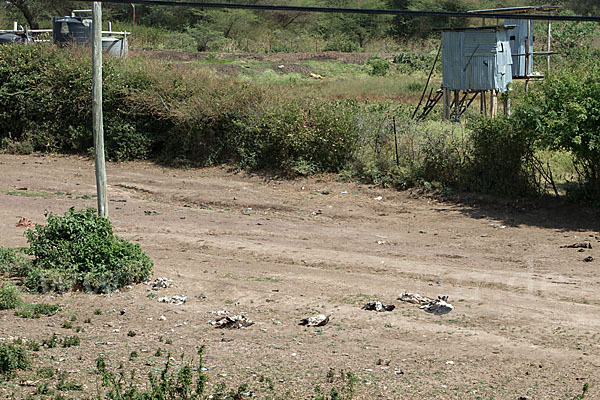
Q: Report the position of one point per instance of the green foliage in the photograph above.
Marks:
(500, 158)
(409, 62)
(12, 262)
(12, 357)
(10, 297)
(564, 114)
(37, 310)
(79, 250)
(379, 66)
(71, 341)
(422, 27)
(170, 385)
(298, 137)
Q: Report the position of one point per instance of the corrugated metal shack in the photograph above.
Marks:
(476, 59)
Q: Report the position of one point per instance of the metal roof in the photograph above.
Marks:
(519, 10)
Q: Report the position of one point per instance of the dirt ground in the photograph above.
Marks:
(525, 323)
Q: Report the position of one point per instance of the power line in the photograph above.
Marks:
(409, 13)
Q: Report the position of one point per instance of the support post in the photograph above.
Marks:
(456, 106)
(549, 42)
(493, 103)
(15, 26)
(507, 105)
(527, 55)
(97, 111)
(133, 27)
(446, 104)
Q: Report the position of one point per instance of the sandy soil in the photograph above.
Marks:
(525, 323)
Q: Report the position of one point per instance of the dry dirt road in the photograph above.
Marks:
(525, 323)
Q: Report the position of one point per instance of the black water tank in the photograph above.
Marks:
(72, 30)
(12, 38)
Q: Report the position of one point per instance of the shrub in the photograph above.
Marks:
(10, 297)
(379, 66)
(79, 250)
(410, 62)
(169, 385)
(12, 357)
(37, 310)
(500, 158)
(564, 114)
(299, 138)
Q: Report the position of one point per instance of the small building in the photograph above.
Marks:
(476, 59)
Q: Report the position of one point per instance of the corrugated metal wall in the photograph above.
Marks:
(518, 43)
(476, 60)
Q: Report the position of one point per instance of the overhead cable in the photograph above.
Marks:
(408, 13)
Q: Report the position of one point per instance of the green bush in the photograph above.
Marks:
(564, 114)
(10, 297)
(298, 138)
(12, 357)
(410, 62)
(379, 66)
(500, 158)
(80, 251)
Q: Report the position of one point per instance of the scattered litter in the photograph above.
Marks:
(399, 372)
(219, 312)
(281, 66)
(226, 340)
(344, 192)
(235, 322)
(25, 223)
(437, 307)
(581, 245)
(414, 298)
(318, 212)
(160, 283)
(293, 354)
(151, 212)
(162, 318)
(177, 300)
(122, 312)
(377, 306)
(381, 242)
(319, 320)
(449, 362)
(588, 259)
(315, 76)
(379, 198)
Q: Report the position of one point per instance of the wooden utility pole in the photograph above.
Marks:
(97, 110)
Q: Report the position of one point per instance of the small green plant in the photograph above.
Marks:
(168, 341)
(80, 251)
(87, 321)
(379, 66)
(67, 325)
(10, 297)
(158, 352)
(97, 311)
(131, 334)
(33, 346)
(133, 356)
(63, 385)
(71, 341)
(37, 310)
(12, 357)
(79, 329)
(51, 341)
(170, 384)
(73, 318)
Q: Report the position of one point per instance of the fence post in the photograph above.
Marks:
(98, 124)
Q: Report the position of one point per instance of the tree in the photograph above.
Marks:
(34, 10)
(405, 26)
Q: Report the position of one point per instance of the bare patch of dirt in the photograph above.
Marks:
(524, 321)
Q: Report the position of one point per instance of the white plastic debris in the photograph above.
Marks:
(235, 322)
(177, 300)
(439, 306)
(378, 306)
(160, 283)
(318, 320)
